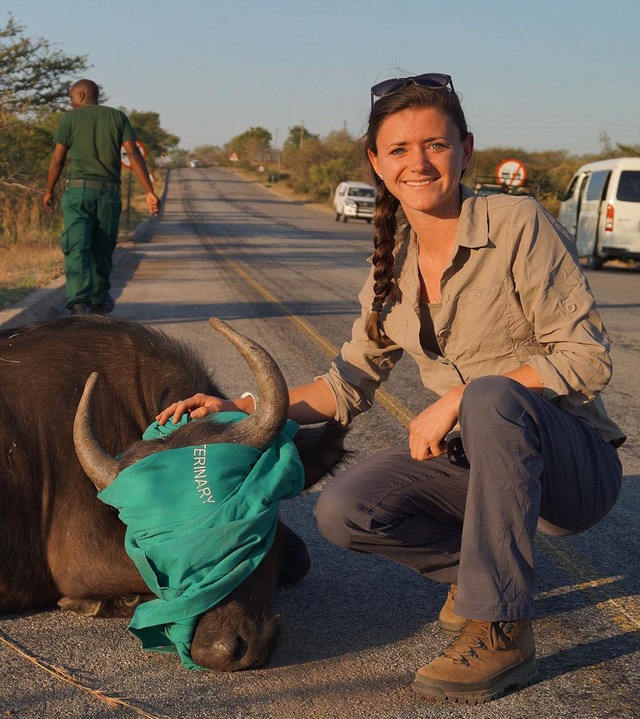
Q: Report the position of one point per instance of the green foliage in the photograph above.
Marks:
(316, 167)
(487, 162)
(629, 150)
(298, 134)
(251, 146)
(24, 151)
(179, 157)
(34, 76)
(34, 84)
(156, 140)
(25, 148)
(208, 154)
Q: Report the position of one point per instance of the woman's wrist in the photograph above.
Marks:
(454, 397)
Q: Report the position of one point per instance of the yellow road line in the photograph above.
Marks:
(575, 565)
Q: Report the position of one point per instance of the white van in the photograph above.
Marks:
(601, 208)
(354, 199)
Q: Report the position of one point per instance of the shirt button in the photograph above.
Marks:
(571, 307)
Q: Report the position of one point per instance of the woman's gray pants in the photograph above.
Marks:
(473, 522)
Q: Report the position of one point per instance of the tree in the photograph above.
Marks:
(24, 153)
(298, 162)
(156, 140)
(629, 150)
(34, 84)
(297, 136)
(316, 167)
(252, 145)
(605, 143)
(34, 76)
(207, 154)
(179, 157)
(341, 144)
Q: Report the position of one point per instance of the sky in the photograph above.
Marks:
(541, 75)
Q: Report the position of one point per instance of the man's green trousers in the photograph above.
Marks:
(91, 218)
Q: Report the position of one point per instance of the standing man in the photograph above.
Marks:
(92, 134)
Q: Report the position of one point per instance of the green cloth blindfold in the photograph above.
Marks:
(199, 521)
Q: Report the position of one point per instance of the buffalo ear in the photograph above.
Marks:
(321, 450)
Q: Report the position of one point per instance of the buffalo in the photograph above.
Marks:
(58, 543)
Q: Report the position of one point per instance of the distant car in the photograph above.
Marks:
(195, 163)
(354, 200)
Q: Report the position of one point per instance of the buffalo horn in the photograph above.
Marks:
(263, 425)
(100, 467)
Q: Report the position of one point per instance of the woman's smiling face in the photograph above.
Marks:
(421, 158)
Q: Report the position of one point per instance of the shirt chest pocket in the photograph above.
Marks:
(481, 314)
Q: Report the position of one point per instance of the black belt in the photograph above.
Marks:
(102, 185)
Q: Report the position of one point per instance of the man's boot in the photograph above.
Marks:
(448, 620)
(79, 308)
(104, 307)
(481, 663)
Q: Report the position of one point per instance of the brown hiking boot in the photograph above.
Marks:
(448, 620)
(481, 663)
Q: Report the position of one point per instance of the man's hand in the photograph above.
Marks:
(153, 201)
(48, 200)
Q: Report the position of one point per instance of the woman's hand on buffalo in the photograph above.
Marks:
(427, 431)
(200, 405)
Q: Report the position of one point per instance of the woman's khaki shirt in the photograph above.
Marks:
(514, 294)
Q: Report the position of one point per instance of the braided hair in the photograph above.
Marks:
(384, 219)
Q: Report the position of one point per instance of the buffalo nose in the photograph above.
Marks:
(228, 651)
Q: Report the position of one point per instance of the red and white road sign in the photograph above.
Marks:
(124, 158)
(512, 173)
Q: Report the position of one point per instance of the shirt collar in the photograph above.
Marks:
(473, 225)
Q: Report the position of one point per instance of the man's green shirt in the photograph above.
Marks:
(93, 135)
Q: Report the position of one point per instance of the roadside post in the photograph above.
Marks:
(126, 162)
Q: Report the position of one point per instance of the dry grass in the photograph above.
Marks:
(26, 266)
(63, 675)
(30, 254)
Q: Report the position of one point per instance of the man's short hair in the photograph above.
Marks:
(89, 87)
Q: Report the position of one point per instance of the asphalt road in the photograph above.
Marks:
(357, 627)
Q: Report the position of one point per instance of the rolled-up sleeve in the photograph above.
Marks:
(360, 368)
(558, 302)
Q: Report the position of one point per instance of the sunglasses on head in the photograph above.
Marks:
(432, 80)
